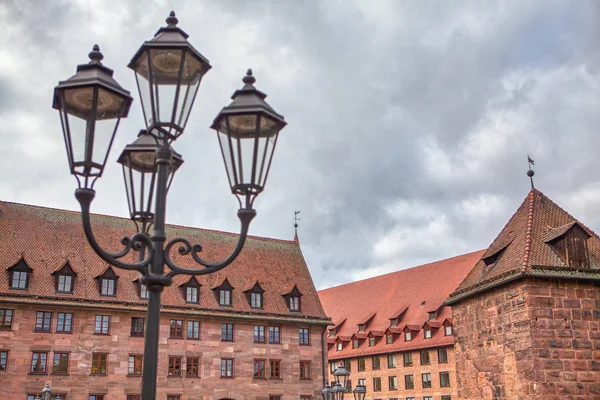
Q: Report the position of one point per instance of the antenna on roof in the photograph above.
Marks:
(530, 172)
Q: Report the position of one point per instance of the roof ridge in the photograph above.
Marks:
(527, 250)
(168, 225)
(404, 270)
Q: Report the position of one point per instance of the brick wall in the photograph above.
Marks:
(21, 341)
(434, 368)
(529, 339)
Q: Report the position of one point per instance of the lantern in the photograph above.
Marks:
(168, 70)
(247, 130)
(139, 173)
(91, 104)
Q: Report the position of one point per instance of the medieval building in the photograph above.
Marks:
(394, 333)
(527, 316)
(254, 330)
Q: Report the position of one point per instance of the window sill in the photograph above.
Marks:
(276, 378)
(259, 378)
(137, 336)
(304, 344)
(108, 295)
(42, 331)
(101, 334)
(192, 376)
(60, 373)
(57, 292)
(38, 373)
(63, 333)
(134, 375)
(174, 376)
(99, 374)
(196, 339)
(227, 377)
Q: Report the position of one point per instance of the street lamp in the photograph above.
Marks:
(168, 71)
(45, 393)
(339, 388)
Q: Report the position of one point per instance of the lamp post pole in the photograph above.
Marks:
(168, 72)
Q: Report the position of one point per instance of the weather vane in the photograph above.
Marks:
(296, 219)
(530, 172)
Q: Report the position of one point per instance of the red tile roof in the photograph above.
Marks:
(418, 289)
(526, 252)
(46, 238)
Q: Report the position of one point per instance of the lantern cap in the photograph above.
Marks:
(145, 142)
(169, 37)
(249, 100)
(47, 389)
(93, 73)
(341, 371)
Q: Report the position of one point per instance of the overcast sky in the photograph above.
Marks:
(409, 122)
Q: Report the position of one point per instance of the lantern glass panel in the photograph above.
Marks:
(166, 64)
(228, 156)
(143, 83)
(193, 71)
(139, 184)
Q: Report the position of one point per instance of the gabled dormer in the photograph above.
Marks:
(570, 242)
(293, 300)
(410, 332)
(107, 283)
(64, 279)
(430, 328)
(374, 337)
(447, 325)
(392, 333)
(363, 324)
(224, 294)
(142, 290)
(255, 296)
(396, 317)
(19, 275)
(341, 342)
(191, 290)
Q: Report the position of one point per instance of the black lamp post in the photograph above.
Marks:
(168, 71)
(339, 388)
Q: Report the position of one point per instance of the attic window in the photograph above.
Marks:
(492, 259)
(293, 299)
(107, 283)
(393, 322)
(361, 327)
(355, 344)
(427, 333)
(255, 296)
(372, 341)
(571, 246)
(340, 345)
(432, 315)
(389, 339)
(224, 294)
(191, 291)
(19, 275)
(64, 279)
(407, 336)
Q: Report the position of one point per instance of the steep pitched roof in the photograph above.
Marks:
(46, 238)
(418, 289)
(526, 251)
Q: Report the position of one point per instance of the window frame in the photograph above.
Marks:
(196, 327)
(190, 368)
(61, 325)
(305, 370)
(274, 334)
(445, 374)
(394, 361)
(4, 317)
(424, 357)
(41, 362)
(137, 365)
(275, 369)
(174, 367)
(442, 359)
(408, 359)
(101, 364)
(63, 284)
(304, 336)
(361, 364)
(375, 363)
(100, 329)
(260, 373)
(377, 384)
(60, 363)
(46, 321)
(227, 332)
(258, 333)
(175, 329)
(227, 368)
(134, 325)
(426, 383)
(3, 360)
(394, 379)
(409, 382)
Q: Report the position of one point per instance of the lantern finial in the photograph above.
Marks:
(172, 19)
(95, 55)
(249, 79)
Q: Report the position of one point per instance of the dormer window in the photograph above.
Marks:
(293, 299)
(224, 294)
(389, 338)
(255, 296)
(371, 341)
(447, 330)
(407, 336)
(355, 344)
(427, 333)
(361, 327)
(19, 275)
(108, 282)
(142, 289)
(191, 291)
(432, 315)
(340, 346)
(393, 322)
(64, 279)
(570, 243)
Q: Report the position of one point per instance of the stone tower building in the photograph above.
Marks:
(527, 317)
